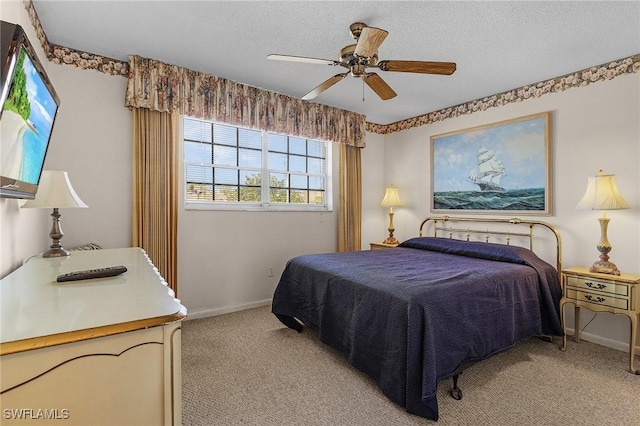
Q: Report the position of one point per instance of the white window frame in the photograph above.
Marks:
(265, 172)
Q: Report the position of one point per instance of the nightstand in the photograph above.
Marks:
(617, 294)
(380, 246)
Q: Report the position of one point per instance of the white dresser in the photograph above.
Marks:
(102, 351)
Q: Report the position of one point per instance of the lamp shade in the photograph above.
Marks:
(602, 194)
(391, 197)
(55, 191)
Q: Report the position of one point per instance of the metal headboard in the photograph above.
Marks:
(445, 224)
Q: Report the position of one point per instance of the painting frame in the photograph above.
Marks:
(497, 168)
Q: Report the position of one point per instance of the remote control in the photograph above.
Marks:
(109, 271)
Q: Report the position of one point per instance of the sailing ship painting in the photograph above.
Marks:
(488, 172)
(499, 167)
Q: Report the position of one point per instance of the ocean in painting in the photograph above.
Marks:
(530, 199)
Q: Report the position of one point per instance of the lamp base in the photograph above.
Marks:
(604, 267)
(56, 234)
(56, 252)
(390, 240)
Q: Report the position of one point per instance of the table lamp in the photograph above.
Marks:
(602, 194)
(391, 199)
(55, 191)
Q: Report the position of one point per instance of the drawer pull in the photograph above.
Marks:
(597, 299)
(598, 286)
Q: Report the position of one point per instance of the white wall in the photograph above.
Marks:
(593, 127)
(225, 258)
(92, 142)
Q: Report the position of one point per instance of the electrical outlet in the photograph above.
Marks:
(270, 271)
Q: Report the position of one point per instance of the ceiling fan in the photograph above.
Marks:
(364, 54)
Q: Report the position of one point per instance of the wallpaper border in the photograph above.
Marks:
(65, 55)
(572, 80)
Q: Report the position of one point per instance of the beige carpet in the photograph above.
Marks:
(246, 368)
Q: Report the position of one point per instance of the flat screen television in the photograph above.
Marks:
(29, 107)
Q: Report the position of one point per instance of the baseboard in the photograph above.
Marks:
(600, 340)
(203, 313)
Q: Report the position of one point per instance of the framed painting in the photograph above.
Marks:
(498, 168)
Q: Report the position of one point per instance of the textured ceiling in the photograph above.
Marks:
(497, 46)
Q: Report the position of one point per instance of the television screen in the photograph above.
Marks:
(26, 120)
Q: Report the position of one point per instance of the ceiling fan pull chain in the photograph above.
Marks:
(363, 90)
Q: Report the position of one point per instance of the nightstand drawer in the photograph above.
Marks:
(590, 284)
(598, 299)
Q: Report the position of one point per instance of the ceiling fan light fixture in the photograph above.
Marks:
(358, 70)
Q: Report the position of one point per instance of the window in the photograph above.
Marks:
(237, 168)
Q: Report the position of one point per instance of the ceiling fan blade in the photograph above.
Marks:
(324, 86)
(291, 58)
(370, 39)
(423, 67)
(379, 86)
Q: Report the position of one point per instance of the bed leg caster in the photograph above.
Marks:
(290, 322)
(456, 393)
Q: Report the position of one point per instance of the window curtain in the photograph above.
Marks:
(350, 207)
(169, 88)
(155, 189)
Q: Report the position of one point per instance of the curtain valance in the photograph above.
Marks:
(169, 88)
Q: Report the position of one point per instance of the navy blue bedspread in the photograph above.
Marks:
(411, 316)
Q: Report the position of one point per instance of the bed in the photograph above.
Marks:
(414, 315)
